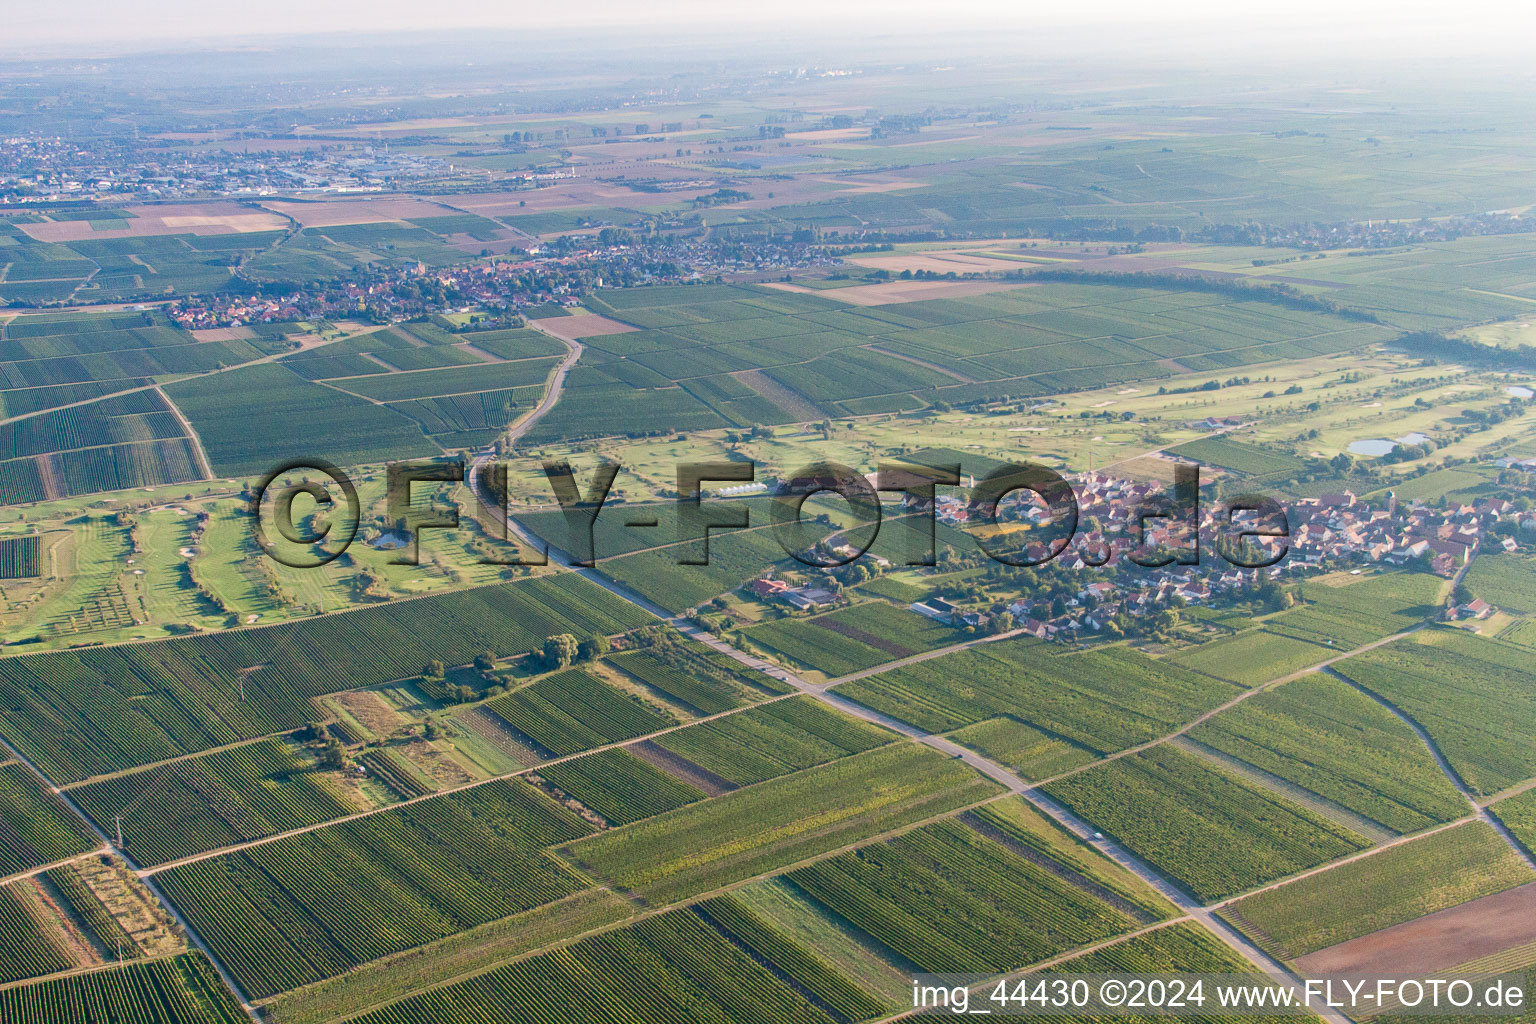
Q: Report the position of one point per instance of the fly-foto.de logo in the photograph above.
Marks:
(1018, 514)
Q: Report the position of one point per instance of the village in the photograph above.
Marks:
(1335, 532)
(558, 272)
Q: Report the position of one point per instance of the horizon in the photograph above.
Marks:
(1368, 33)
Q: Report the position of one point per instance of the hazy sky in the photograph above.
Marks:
(1366, 23)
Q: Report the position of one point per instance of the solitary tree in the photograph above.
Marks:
(560, 650)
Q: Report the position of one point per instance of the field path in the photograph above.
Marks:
(1228, 705)
(44, 869)
(552, 392)
(203, 465)
(154, 890)
(1191, 907)
(924, 656)
(1451, 773)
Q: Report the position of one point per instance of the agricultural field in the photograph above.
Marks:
(1347, 612)
(947, 899)
(619, 786)
(675, 967)
(626, 527)
(658, 576)
(1324, 736)
(97, 710)
(179, 990)
(436, 383)
(386, 980)
(689, 673)
(573, 710)
(1213, 832)
(1181, 947)
(859, 637)
(1387, 888)
(310, 906)
(213, 800)
(757, 829)
(294, 418)
(1029, 752)
(131, 440)
(750, 355)
(1473, 696)
(775, 739)
(25, 950)
(1253, 657)
(61, 358)
(20, 557)
(1102, 700)
(1017, 824)
(369, 793)
(39, 829)
(1518, 813)
(1240, 457)
(1505, 580)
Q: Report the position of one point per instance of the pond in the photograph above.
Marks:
(1372, 446)
(1517, 391)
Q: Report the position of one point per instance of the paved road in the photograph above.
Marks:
(149, 884)
(1186, 903)
(551, 393)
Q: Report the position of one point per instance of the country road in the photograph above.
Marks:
(556, 385)
(1229, 936)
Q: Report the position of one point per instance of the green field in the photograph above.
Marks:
(39, 829)
(734, 557)
(96, 710)
(294, 418)
(676, 967)
(776, 739)
(24, 951)
(1215, 833)
(1240, 456)
(619, 786)
(852, 639)
(310, 906)
(1505, 580)
(744, 355)
(949, 900)
(572, 711)
(1103, 700)
(1254, 657)
(688, 672)
(214, 800)
(760, 828)
(1323, 735)
(1518, 813)
(179, 990)
(131, 440)
(1028, 751)
(20, 557)
(1366, 895)
(1178, 948)
(1473, 696)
